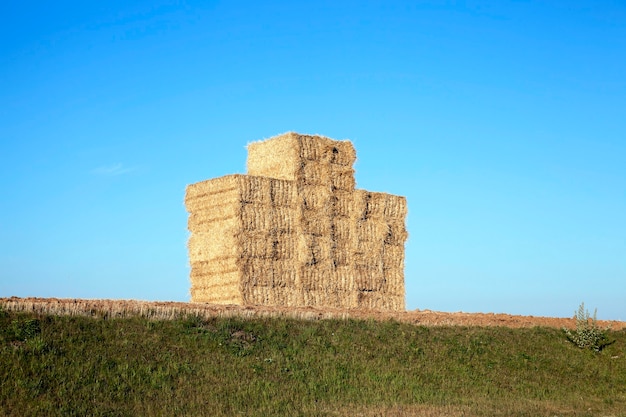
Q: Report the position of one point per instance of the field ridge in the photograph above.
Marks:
(174, 310)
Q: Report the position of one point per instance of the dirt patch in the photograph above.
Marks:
(169, 310)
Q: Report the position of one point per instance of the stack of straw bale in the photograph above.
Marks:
(243, 240)
(295, 232)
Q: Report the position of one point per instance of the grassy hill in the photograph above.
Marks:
(60, 365)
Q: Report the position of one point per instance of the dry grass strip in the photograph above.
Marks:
(167, 310)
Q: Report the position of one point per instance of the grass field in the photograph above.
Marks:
(74, 365)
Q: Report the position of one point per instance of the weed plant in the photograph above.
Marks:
(588, 335)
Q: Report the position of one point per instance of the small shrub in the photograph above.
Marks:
(25, 329)
(587, 334)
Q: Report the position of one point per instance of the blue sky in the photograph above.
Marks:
(501, 122)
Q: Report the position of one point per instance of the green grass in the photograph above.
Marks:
(59, 365)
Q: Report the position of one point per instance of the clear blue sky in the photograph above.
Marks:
(503, 123)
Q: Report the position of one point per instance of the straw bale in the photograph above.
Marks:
(368, 260)
(393, 302)
(285, 274)
(371, 230)
(209, 202)
(343, 229)
(378, 205)
(228, 295)
(261, 295)
(341, 203)
(220, 289)
(218, 282)
(368, 205)
(242, 201)
(350, 299)
(395, 207)
(341, 254)
(314, 173)
(343, 277)
(256, 245)
(292, 296)
(394, 278)
(393, 256)
(315, 222)
(320, 148)
(314, 148)
(256, 217)
(367, 249)
(206, 195)
(283, 193)
(318, 298)
(257, 272)
(341, 177)
(284, 246)
(272, 296)
(396, 233)
(226, 216)
(379, 301)
(310, 298)
(313, 250)
(284, 220)
(316, 278)
(214, 267)
(368, 279)
(300, 158)
(396, 302)
(255, 189)
(316, 198)
(209, 246)
(278, 157)
(359, 204)
(336, 299)
(369, 300)
(206, 192)
(342, 153)
(347, 299)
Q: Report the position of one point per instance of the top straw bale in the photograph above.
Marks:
(285, 156)
(244, 189)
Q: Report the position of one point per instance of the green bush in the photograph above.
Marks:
(25, 329)
(587, 334)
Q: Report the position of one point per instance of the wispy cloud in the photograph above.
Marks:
(112, 170)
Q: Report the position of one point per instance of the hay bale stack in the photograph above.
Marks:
(321, 169)
(243, 240)
(378, 249)
(295, 232)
